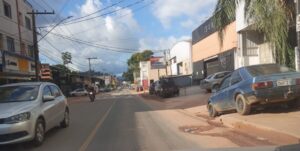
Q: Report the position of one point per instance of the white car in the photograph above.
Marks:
(28, 110)
(79, 92)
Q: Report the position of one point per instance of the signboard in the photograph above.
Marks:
(157, 63)
(23, 65)
(11, 63)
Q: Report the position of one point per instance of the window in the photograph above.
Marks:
(28, 23)
(268, 69)
(225, 83)
(55, 91)
(30, 51)
(1, 41)
(10, 44)
(220, 75)
(47, 91)
(20, 19)
(250, 47)
(236, 77)
(7, 9)
(23, 48)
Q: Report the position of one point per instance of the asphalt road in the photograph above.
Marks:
(111, 123)
(106, 124)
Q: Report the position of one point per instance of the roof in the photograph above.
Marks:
(26, 84)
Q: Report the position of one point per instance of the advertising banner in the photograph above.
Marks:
(157, 63)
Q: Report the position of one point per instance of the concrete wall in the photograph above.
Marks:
(210, 45)
(9, 26)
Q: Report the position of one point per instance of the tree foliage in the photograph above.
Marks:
(66, 57)
(270, 17)
(133, 63)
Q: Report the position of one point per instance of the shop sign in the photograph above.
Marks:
(157, 63)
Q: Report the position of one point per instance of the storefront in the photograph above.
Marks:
(16, 68)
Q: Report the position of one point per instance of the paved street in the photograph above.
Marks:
(120, 121)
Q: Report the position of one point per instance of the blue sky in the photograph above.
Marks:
(147, 24)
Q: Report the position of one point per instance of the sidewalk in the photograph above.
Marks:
(281, 126)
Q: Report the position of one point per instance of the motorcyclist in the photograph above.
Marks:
(92, 93)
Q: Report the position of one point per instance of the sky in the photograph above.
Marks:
(118, 29)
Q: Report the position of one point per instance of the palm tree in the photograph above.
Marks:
(270, 17)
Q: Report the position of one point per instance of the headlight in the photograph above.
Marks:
(17, 118)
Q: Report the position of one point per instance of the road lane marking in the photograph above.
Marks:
(89, 139)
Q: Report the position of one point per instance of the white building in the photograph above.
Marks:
(16, 41)
(181, 58)
(252, 47)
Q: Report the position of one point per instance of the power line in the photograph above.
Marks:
(91, 44)
(110, 6)
(96, 26)
(111, 12)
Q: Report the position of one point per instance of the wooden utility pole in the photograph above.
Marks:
(90, 67)
(35, 42)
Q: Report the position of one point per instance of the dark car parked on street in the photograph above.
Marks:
(213, 81)
(165, 88)
(253, 86)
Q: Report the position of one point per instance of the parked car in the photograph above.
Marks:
(253, 86)
(79, 92)
(166, 88)
(213, 81)
(28, 110)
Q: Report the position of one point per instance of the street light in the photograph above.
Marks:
(55, 27)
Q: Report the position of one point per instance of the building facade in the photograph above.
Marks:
(151, 71)
(181, 58)
(208, 55)
(16, 42)
(252, 46)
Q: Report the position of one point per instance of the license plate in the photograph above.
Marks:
(283, 83)
(91, 93)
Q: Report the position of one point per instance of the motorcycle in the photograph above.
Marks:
(92, 96)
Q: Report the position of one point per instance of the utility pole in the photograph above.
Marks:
(35, 42)
(297, 52)
(90, 66)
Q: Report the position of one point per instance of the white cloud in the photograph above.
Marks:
(105, 31)
(167, 10)
(160, 43)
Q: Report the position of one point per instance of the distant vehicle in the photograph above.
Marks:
(29, 109)
(213, 81)
(152, 88)
(79, 92)
(102, 89)
(166, 88)
(253, 86)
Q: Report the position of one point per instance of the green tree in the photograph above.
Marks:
(66, 57)
(133, 63)
(270, 17)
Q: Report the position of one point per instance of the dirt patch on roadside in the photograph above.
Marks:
(241, 139)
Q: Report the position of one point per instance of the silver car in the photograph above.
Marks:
(213, 81)
(29, 109)
(79, 92)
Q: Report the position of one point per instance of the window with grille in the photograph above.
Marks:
(250, 47)
(7, 9)
(28, 23)
(10, 44)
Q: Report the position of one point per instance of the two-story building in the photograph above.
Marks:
(16, 42)
(181, 58)
(208, 55)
